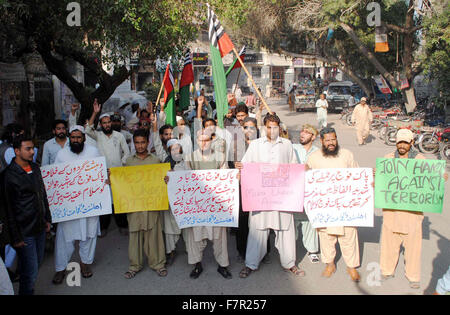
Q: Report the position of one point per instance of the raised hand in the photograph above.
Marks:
(96, 106)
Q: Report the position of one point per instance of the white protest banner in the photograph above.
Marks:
(204, 197)
(339, 197)
(77, 189)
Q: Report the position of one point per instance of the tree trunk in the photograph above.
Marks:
(108, 83)
(349, 30)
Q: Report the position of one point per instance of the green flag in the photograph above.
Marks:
(169, 96)
(220, 45)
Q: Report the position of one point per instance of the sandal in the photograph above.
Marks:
(85, 271)
(414, 285)
(162, 272)
(245, 272)
(129, 274)
(295, 271)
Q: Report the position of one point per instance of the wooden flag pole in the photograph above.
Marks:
(237, 81)
(159, 94)
(253, 82)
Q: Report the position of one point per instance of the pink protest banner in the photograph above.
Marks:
(268, 187)
(77, 189)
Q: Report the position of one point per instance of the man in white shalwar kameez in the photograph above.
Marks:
(322, 107)
(276, 150)
(84, 230)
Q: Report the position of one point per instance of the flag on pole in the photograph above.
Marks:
(169, 96)
(220, 45)
(187, 77)
(236, 64)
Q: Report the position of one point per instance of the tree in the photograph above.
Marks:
(436, 56)
(107, 32)
(287, 26)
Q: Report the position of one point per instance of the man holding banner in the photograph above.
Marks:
(85, 230)
(402, 226)
(196, 237)
(332, 156)
(145, 227)
(303, 150)
(276, 150)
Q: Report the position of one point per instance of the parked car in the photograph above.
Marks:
(338, 94)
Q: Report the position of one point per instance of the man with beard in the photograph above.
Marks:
(54, 145)
(113, 146)
(303, 150)
(116, 124)
(84, 230)
(27, 211)
(276, 150)
(402, 227)
(332, 156)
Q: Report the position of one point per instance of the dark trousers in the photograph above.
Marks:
(120, 218)
(30, 258)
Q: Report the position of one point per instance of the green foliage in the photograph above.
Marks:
(435, 59)
(152, 90)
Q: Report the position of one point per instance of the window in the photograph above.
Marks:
(256, 72)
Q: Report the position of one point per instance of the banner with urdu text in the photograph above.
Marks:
(204, 197)
(77, 189)
(139, 188)
(339, 197)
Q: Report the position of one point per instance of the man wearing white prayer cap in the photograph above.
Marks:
(113, 146)
(84, 230)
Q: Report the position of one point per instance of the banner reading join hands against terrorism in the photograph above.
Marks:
(204, 197)
(139, 188)
(77, 189)
(410, 184)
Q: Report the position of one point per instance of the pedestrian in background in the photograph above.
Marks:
(322, 107)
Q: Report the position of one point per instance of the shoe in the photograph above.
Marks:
(266, 259)
(224, 272)
(354, 274)
(195, 273)
(314, 258)
(103, 233)
(59, 277)
(123, 231)
(245, 272)
(170, 258)
(329, 270)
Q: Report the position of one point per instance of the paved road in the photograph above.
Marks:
(112, 252)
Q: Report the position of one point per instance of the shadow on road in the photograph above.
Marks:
(440, 262)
